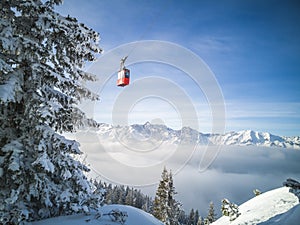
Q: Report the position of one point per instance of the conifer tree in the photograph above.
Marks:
(160, 207)
(211, 213)
(182, 217)
(206, 221)
(191, 220)
(42, 55)
(199, 222)
(148, 204)
(174, 207)
(230, 209)
(138, 199)
(256, 192)
(165, 207)
(196, 216)
(129, 196)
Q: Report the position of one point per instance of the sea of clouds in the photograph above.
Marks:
(233, 174)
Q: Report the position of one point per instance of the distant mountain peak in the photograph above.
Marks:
(147, 123)
(156, 132)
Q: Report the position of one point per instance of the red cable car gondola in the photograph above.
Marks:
(123, 74)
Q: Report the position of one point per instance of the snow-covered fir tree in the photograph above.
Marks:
(196, 216)
(174, 207)
(129, 199)
(206, 222)
(192, 219)
(230, 209)
(42, 55)
(211, 216)
(182, 217)
(165, 207)
(256, 192)
(160, 206)
(199, 222)
(148, 204)
(119, 194)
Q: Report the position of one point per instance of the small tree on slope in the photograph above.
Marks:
(174, 208)
(160, 208)
(211, 217)
(41, 58)
(230, 209)
(165, 207)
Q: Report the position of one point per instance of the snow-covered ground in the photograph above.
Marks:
(135, 217)
(291, 217)
(278, 205)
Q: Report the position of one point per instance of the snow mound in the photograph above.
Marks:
(135, 217)
(263, 207)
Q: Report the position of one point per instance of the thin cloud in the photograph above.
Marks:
(209, 44)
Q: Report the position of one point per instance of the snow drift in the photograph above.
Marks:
(291, 217)
(135, 217)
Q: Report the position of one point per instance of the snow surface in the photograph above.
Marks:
(135, 217)
(277, 206)
(157, 134)
(291, 217)
(265, 206)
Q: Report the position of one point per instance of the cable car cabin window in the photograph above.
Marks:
(123, 77)
(127, 74)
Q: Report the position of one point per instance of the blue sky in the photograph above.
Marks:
(252, 47)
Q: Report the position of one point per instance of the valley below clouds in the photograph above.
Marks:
(233, 174)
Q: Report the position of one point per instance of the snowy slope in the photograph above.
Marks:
(291, 217)
(263, 207)
(135, 217)
(153, 134)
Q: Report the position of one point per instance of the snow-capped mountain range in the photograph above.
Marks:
(160, 133)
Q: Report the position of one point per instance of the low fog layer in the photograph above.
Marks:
(234, 174)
